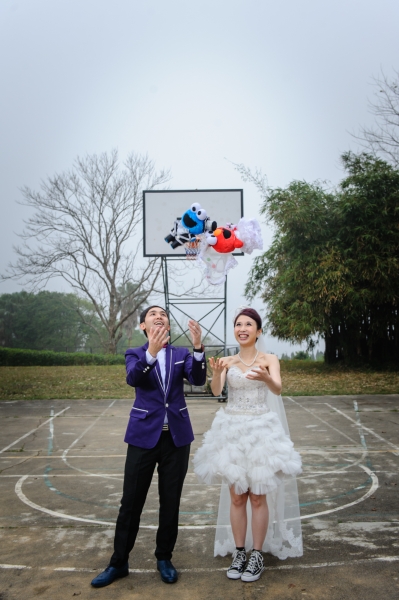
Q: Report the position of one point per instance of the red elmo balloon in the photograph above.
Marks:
(226, 240)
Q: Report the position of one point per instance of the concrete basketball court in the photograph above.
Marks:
(61, 478)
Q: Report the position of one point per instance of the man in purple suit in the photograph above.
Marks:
(159, 433)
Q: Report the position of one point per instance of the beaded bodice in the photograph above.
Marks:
(246, 396)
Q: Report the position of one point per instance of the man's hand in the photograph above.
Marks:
(157, 338)
(195, 332)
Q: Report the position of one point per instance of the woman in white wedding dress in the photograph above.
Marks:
(249, 449)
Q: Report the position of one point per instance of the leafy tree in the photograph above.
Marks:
(369, 238)
(46, 321)
(300, 276)
(332, 269)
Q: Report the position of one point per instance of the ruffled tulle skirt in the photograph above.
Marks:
(249, 452)
(254, 453)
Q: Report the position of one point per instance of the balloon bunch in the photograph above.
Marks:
(213, 245)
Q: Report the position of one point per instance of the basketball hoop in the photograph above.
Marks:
(192, 249)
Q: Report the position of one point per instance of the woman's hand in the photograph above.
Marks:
(270, 375)
(217, 365)
(259, 373)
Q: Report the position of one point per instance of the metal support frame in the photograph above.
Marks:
(177, 304)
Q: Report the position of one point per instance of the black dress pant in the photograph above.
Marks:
(139, 468)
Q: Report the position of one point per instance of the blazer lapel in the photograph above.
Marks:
(156, 371)
(158, 377)
(169, 367)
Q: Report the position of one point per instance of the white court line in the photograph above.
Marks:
(108, 475)
(359, 426)
(294, 567)
(372, 475)
(53, 513)
(356, 462)
(14, 567)
(366, 429)
(323, 421)
(33, 430)
(85, 431)
(374, 487)
(333, 472)
(301, 450)
(64, 454)
(155, 480)
(51, 430)
(57, 456)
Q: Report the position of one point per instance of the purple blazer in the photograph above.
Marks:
(152, 400)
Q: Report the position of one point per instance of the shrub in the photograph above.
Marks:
(16, 357)
(301, 355)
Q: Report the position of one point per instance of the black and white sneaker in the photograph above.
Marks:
(236, 569)
(254, 568)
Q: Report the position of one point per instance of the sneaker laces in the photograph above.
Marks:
(239, 557)
(255, 562)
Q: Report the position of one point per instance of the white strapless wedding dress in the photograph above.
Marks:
(248, 446)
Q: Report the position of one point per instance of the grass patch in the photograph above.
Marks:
(300, 378)
(73, 382)
(313, 378)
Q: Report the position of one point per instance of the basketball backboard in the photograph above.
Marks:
(162, 207)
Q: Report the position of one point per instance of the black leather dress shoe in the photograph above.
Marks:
(167, 571)
(109, 575)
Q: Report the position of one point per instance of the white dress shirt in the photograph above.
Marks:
(161, 358)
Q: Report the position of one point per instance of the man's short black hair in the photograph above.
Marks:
(144, 314)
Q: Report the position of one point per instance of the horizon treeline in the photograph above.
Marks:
(54, 321)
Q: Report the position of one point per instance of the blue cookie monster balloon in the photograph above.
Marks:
(194, 219)
(193, 222)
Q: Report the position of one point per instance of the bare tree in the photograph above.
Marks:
(132, 300)
(85, 229)
(383, 138)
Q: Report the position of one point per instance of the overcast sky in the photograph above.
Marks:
(274, 85)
